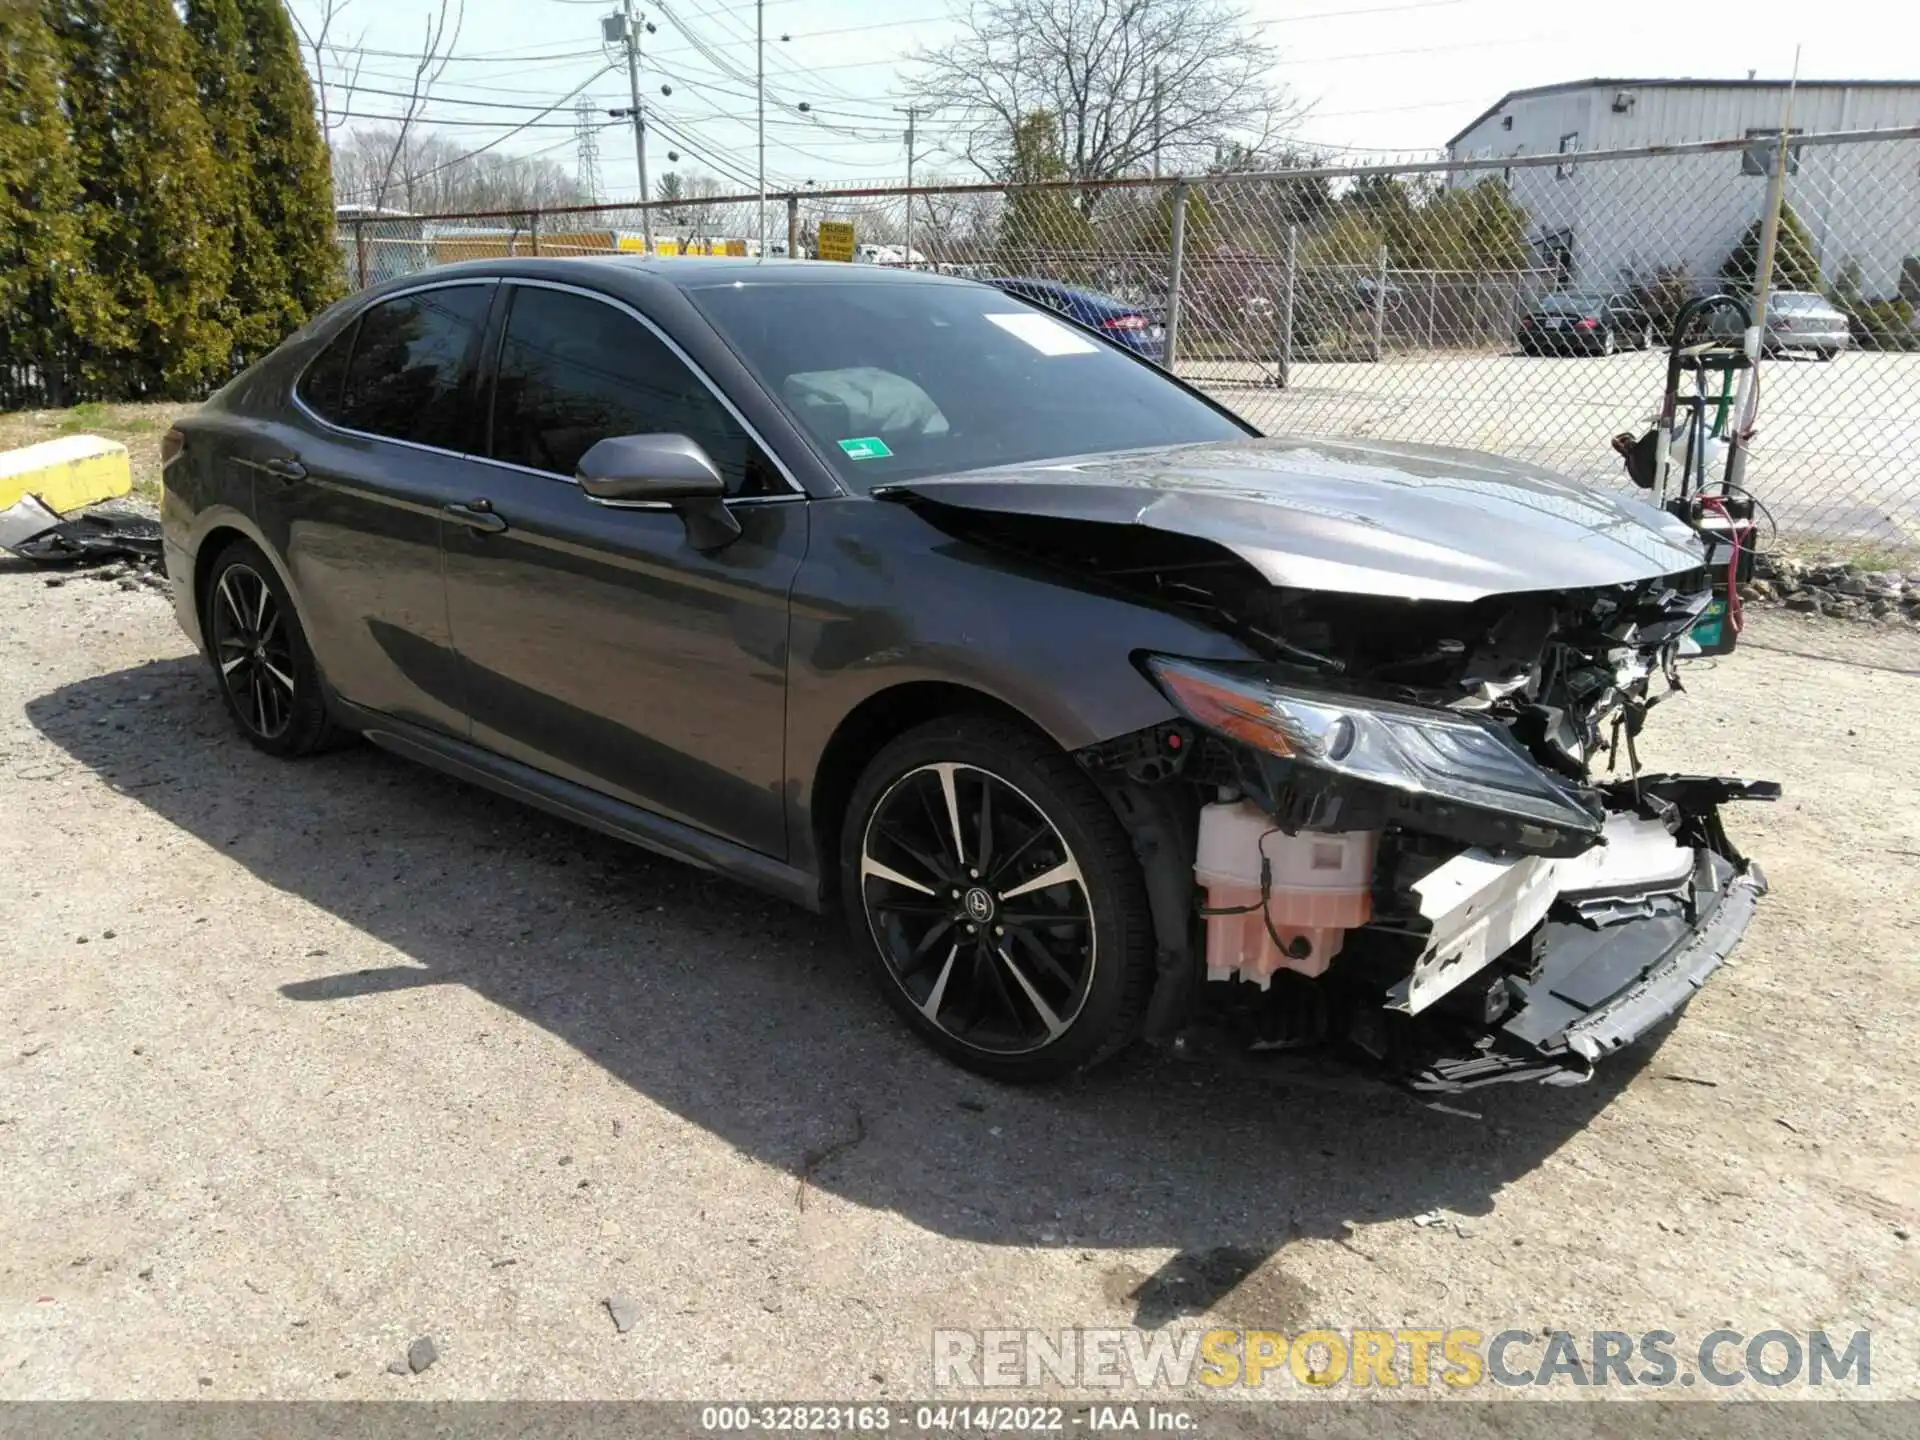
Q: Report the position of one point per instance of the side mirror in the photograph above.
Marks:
(662, 469)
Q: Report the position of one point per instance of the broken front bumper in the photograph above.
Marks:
(1602, 971)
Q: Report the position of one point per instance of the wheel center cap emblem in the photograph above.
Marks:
(979, 904)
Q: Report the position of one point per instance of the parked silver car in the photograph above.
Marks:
(1799, 320)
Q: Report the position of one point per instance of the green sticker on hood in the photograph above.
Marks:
(867, 447)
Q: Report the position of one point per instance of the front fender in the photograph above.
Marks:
(885, 599)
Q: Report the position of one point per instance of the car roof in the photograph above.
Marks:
(689, 272)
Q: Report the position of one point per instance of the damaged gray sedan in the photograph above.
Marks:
(1100, 715)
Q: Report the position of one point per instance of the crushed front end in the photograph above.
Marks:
(1422, 829)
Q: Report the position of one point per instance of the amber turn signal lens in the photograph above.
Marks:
(1226, 709)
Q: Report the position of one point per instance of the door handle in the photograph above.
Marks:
(476, 515)
(285, 467)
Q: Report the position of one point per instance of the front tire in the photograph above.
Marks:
(261, 660)
(996, 900)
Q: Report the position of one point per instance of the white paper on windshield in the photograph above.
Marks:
(1044, 334)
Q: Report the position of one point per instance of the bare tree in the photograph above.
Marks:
(442, 35)
(426, 172)
(336, 63)
(1126, 80)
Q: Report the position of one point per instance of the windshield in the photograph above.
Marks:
(898, 380)
(1797, 300)
(1571, 304)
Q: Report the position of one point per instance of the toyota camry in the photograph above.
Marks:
(1100, 715)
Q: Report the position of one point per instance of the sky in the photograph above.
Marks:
(1382, 77)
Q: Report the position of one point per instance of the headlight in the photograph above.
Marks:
(1436, 753)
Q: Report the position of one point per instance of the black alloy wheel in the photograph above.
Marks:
(253, 651)
(259, 652)
(998, 900)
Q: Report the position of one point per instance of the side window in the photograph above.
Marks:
(320, 386)
(411, 359)
(574, 371)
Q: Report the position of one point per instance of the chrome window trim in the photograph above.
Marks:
(301, 405)
(798, 490)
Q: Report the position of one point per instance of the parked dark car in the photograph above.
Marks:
(883, 591)
(1586, 324)
(1141, 331)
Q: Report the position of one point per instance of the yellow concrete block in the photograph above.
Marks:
(68, 473)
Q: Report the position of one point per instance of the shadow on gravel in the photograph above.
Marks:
(747, 1017)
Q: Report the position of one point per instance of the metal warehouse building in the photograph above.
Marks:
(1604, 224)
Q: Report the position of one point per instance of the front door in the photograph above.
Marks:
(596, 644)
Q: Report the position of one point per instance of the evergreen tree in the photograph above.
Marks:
(1794, 266)
(149, 203)
(1039, 222)
(53, 311)
(1157, 235)
(274, 186)
(294, 199)
(256, 308)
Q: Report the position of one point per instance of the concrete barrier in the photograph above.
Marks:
(68, 473)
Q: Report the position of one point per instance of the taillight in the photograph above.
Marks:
(1588, 324)
(171, 444)
(1126, 322)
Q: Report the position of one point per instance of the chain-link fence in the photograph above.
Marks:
(1519, 305)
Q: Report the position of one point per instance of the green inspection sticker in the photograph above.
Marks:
(867, 447)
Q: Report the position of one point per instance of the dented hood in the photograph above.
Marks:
(1413, 521)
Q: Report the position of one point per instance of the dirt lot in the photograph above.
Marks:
(304, 1061)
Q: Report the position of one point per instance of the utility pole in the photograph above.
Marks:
(760, 99)
(1156, 123)
(629, 25)
(912, 112)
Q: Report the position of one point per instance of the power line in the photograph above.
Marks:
(497, 58)
(431, 120)
(501, 139)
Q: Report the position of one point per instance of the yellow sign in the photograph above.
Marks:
(836, 240)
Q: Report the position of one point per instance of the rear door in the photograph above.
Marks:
(596, 643)
(356, 506)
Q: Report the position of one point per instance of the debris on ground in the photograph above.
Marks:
(1430, 1219)
(1837, 589)
(91, 537)
(23, 520)
(421, 1354)
(625, 1313)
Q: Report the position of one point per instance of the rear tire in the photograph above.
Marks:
(260, 657)
(1609, 343)
(1827, 354)
(945, 837)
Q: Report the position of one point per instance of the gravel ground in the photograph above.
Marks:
(304, 1062)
